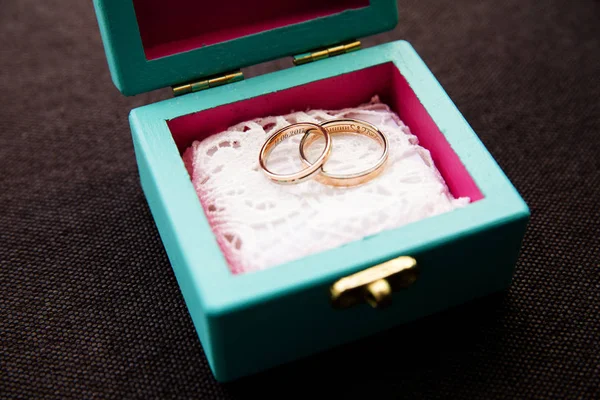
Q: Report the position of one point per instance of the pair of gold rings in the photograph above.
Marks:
(315, 169)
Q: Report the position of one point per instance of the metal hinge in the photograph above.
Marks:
(207, 83)
(327, 52)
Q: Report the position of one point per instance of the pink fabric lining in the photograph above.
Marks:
(404, 101)
(347, 90)
(176, 26)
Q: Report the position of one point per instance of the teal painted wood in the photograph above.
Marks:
(132, 73)
(255, 321)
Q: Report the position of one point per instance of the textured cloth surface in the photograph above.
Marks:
(89, 306)
(249, 213)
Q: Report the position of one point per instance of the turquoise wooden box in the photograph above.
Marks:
(252, 322)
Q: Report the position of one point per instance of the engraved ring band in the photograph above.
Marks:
(347, 126)
(288, 132)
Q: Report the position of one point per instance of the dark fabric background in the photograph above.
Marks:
(89, 306)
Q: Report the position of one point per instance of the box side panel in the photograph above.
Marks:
(173, 246)
(301, 324)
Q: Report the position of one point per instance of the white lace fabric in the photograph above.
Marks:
(261, 224)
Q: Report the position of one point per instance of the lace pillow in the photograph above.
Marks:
(260, 224)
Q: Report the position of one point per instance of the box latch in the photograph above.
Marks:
(207, 83)
(327, 52)
(375, 285)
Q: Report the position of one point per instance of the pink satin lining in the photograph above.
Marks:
(171, 27)
(347, 90)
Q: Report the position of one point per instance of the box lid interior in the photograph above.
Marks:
(152, 44)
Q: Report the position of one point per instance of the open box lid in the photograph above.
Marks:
(151, 44)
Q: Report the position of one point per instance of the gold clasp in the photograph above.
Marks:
(327, 52)
(376, 284)
(217, 80)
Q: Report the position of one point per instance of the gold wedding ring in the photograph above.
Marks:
(285, 133)
(345, 126)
